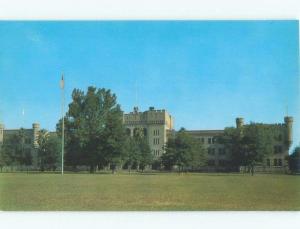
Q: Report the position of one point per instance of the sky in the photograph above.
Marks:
(204, 73)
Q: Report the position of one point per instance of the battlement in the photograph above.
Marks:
(148, 117)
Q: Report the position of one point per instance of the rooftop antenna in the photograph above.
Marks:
(136, 94)
(0, 116)
(23, 118)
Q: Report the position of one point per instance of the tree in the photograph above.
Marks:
(184, 151)
(294, 160)
(249, 145)
(145, 155)
(131, 155)
(138, 151)
(5, 159)
(48, 151)
(94, 130)
(6, 155)
(15, 150)
(232, 141)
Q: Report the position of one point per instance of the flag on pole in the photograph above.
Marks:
(62, 86)
(62, 82)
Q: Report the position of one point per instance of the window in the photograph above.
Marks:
(221, 151)
(209, 140)
(279, 162)
(275, 162)
(155, 141)
(222, 162)
(214, 140)
(156, 152)
(155, 132)
(211, 151)
(278, 149)
(128, 131)
(202, 140)
(211, 162)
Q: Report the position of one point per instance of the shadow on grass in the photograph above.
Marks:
(145, 173)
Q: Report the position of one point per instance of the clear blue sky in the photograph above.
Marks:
(205, 73)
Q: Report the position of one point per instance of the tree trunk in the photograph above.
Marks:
(92, 168)
(113, 169)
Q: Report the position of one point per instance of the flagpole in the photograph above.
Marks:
(62, 85)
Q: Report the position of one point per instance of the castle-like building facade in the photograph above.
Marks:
(158, 126)
(31, 139)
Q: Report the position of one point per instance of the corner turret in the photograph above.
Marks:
(36, 129)
(288, 120)
(1, 133)
(239, 122)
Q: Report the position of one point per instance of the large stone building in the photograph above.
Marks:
(30, 142)
(155, 123)
(158, 124)
(218, 157)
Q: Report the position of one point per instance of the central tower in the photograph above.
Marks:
(155, 125)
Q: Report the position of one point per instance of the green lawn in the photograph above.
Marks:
(21, 191)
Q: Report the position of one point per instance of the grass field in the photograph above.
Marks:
(20, 191)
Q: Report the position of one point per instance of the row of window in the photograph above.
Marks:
(156, 132)
(212, 151)
(144, 131)
(143, 122)
(155, 141)
(276, 162)
(278, 138)
(277, 149)
(156, 152)
(209, 140)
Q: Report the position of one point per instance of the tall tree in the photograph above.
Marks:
(184, 151)
(232, 141)
(5, 158)
(132, 153)
(15, 149)
(294, 160)
(250, 145)
(93, 129)
(48, 150)
(138, 151)
(146, 157)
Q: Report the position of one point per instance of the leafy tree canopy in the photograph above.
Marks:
(93, 129)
